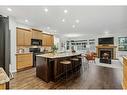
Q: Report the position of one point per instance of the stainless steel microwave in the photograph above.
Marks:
(36, 42)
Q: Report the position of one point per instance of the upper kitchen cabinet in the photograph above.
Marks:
(36, 34)
(20, 36)
(23, 37)
(51, 40)
(27, 38)
(48, 40)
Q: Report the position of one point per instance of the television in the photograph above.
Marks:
(106, 41)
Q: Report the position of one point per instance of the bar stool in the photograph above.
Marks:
(84, 63)
(65, 63)
(74, 63)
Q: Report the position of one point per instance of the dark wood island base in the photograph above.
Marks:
(48, 67)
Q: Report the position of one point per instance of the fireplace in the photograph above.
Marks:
(106, 53)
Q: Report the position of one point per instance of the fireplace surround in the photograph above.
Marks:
(106, 53)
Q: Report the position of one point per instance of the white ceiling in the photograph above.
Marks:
(92, 19)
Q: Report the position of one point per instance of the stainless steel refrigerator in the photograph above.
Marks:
(5, 45)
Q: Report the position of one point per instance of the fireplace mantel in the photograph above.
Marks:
(106, 46)
(99, 47)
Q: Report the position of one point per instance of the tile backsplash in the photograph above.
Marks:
(26, 49)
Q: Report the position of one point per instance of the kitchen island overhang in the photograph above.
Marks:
(48, 67)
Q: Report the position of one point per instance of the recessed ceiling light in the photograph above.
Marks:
(63, 20)
(73, 26)
(46, 10)
(65, 11)
(26, 20)
(9, 9)
(77, 21)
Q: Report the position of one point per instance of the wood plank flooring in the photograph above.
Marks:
(92, 77)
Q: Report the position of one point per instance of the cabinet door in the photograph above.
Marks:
(20, 61)
(48, 40)
(24, 61)
(2, 86)
(40, 35)
(44, 39)
(20, 37)
(28, 37)
(51, 40)
(34, 34)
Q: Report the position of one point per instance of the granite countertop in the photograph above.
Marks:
(3, 76)
(58, 55)
(24, 53)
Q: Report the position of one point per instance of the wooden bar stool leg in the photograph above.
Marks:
(66, 76)
(73, 68)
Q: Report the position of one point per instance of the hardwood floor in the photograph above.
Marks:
(92, 77)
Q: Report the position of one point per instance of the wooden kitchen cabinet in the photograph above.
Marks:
(24, 60)
(52, 40)
(23, 37)
(27, 38)
(2, 86)
(40, 35)
(19, 36)
(44, 39)
(36, 34)
(48, 40)
(125, 73)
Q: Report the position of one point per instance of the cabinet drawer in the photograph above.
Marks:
(24, 57)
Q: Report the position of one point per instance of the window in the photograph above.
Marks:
(122, 46)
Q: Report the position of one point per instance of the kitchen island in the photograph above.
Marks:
(48, 67)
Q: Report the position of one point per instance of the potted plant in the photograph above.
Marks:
(54, 49)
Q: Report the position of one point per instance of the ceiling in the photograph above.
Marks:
(92, 19)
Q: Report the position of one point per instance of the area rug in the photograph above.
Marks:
(114, 64)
